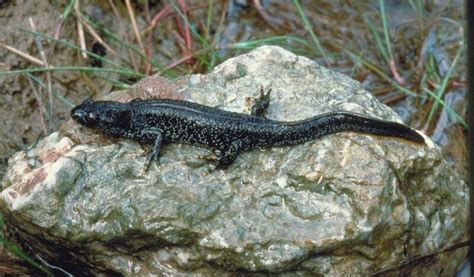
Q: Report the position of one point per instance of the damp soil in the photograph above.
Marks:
(25, 114)
(30, 111)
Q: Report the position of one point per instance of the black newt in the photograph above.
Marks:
(227, 134)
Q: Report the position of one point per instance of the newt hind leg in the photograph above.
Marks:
(261, 103)
(228, 155)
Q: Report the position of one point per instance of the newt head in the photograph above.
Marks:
(85, 114)
(109, 117)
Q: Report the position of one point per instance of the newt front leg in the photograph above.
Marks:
(156, 135)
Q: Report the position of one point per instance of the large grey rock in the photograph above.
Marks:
(346, 203)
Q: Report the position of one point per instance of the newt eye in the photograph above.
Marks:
(84, 117)
(91, 116)
(91, 119)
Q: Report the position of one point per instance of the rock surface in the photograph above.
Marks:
(346, 203)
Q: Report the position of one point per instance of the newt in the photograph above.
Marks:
(227, 134)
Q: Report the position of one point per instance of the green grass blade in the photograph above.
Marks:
(448, 108)
(308, 28)
(376, 70)
(441, 89)
(409, 92)
(60, 97)
(68, 10)
(385, 29)
(204, 59)
(73, 68)
(378, 39)
(417, 6)
(201, 39)
(116, 83)
(19, 253)
(214, 55)
(208, 19)
(432, 69)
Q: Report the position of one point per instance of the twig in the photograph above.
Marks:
(393, 99)
(119, 20)
(21, 54)
(48, 73)
(58, 28)
(62, 18)
(265, 16)
(392, 65)
(396, 76)
(80, 31)
(184, 31)
(165, 11)
(178, 62)
(457, 84)
(187, 55)
(187, 33)
(149, 53)
(149, 40)
(40, 105)
(168, 11)
(131, 14)
(96, 36)
(261, 11)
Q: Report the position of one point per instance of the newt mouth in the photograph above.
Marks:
(80, 115)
